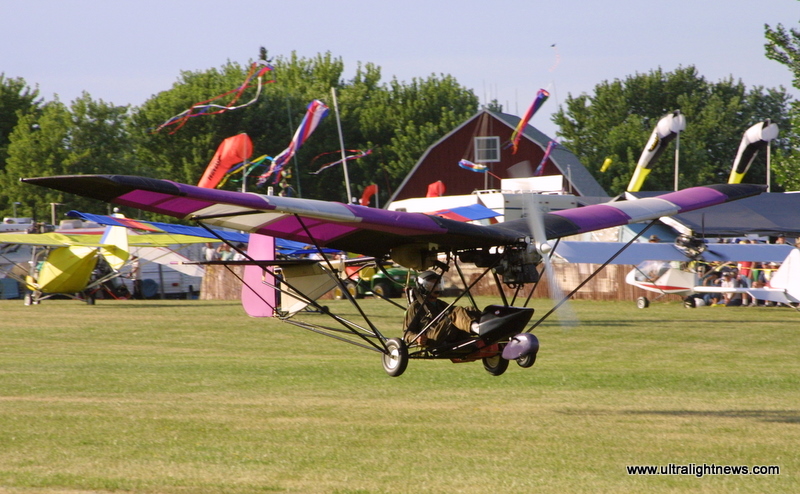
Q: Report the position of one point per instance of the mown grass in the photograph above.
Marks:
(194, 396)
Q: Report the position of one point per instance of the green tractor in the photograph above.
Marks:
(371, 281)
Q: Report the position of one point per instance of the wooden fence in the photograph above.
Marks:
(222, 283)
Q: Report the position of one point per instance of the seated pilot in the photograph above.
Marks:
(453, 326)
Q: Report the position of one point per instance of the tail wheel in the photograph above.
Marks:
(395, 359)
(527, 360)
(496, 365)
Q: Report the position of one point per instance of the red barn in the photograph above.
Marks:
(483, 139)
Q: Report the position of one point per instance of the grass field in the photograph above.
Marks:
(193, 396)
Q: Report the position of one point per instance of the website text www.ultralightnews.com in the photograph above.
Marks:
(700, 470)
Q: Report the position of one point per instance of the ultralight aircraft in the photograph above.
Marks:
(79, 265)
(510, 252)
(678, 268)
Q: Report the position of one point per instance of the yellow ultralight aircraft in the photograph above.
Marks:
(80, 265)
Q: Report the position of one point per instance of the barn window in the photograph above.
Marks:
(487, 149)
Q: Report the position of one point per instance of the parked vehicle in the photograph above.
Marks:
(363, 281)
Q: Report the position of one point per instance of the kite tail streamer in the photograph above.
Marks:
(358, 154)
(540, 169)
(257, 70)
(315, 112)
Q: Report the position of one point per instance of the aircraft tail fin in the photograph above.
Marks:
(787, 277)
(115, 249)
(259, 299)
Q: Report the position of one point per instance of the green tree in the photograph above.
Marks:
(616, 121)
(783, 46)
(87, 137)
(398, 121)
(16, 98)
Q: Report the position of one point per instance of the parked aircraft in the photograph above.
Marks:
(79, 265)
(678, 268)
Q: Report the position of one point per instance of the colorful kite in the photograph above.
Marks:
(473, 167)
(315, 112)
(233, 150)
(665, 131)
(369, 191)
(436, 189)
(257, 71)
(541, 97)
(357, 154)
(754, 139)
(468, 165)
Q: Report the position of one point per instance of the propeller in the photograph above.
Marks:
(540, 245)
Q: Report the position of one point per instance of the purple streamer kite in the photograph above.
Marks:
(541, 97)
(539, 169)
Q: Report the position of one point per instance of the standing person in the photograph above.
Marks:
(455, 325)
(745, 271)
(209, 252)
(136, 277)
(224, 252)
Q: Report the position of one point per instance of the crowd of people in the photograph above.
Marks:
(742, 274)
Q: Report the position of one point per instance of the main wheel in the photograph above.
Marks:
(642, 303)
(395, 360)
(496, 365)
(689, 302)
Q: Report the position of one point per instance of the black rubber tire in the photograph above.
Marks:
(527, 360)
(382, 289)
(496, 365)
(395, 360)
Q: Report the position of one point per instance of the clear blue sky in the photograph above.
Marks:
(124, 51)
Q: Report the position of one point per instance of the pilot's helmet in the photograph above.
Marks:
(429, 281)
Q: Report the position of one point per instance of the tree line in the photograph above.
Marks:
(397, 120)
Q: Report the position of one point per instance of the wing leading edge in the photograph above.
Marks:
(367, 230)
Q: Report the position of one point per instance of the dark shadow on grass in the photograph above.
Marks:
(615, 323)
(782, 416)
(101, 306)
(779, 416)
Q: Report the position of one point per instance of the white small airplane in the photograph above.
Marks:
(673, 267)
